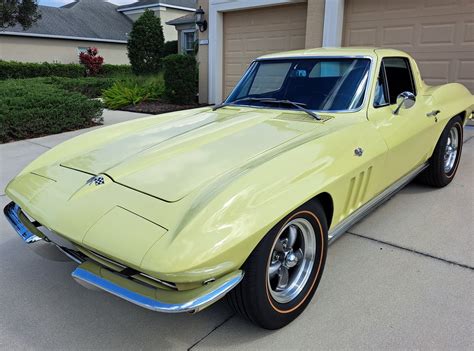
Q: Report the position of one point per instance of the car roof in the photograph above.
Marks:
(345, 51)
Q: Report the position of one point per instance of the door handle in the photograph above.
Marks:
(433, 113)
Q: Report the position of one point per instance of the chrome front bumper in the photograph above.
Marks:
(27, 230)
(94, 275)
(168, 301)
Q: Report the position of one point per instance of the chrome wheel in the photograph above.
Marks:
(291, 261)
(451, 151)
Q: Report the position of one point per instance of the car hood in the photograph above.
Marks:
(171, 159)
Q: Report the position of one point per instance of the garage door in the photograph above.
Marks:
(438, 33)
(252, 33)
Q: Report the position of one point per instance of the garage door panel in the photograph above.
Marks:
(438, 33)
(466, 69)
(395, 7)
(297, 41)
(235, 45)
(435, 71)
(398, 35)
(249, 34)
(376, 10)
(465, 73)
(360, 36)
(446, 68)
(468, 33)
(453, 33)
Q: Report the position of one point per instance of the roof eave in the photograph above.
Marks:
(155, 5)
(63, 37)
(170, 23)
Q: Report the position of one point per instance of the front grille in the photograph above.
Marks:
(128, 272)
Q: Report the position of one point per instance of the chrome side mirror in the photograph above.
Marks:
(405, 100)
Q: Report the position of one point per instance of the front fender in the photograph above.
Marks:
(228, 218)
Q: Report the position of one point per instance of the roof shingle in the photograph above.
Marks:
(187, 19)
(96, 19)
(180, 3)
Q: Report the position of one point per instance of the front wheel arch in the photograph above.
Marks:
(326, 201)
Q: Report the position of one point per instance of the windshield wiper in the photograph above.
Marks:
(298, 105)
(224, 104)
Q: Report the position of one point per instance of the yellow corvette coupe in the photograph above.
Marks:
(174, 212)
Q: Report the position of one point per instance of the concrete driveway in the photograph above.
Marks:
(401, 279)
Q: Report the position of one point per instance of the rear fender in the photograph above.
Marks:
(451, 99)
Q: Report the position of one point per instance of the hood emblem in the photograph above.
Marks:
(97, 180)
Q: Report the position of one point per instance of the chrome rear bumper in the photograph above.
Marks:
(93, 275)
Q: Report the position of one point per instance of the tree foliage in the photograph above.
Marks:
(23, 12)
(145, 44)
(170, 48)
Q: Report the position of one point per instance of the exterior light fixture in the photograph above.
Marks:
(200, 21)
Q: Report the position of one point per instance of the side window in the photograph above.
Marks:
(381, 93)
(398, 76)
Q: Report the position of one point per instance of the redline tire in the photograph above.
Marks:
(256, 298)
(437, 174)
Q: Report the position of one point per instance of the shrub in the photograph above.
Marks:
(180, 74)
(19, 70)
(109, 70)
(170, 48)
(120, 95)
(33, 108)
(145, 44)
(90, 86)
(92, 61)
(132, 91)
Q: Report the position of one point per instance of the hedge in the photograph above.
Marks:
(18, 70)
(91, 87)
(114, 70)
(170, 48)
(33, 108)
(180, 74)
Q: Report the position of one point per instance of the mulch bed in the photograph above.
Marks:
(158, 107)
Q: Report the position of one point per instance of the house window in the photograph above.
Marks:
(188, 39)
(81, 49)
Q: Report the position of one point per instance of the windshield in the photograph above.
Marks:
(320, 84)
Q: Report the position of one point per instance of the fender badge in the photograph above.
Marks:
(97, 180)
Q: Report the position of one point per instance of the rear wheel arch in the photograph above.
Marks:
(436, 174)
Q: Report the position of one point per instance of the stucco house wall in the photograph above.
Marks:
(63, 32)
(165, 14)
(203, 58)
(27, 49)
